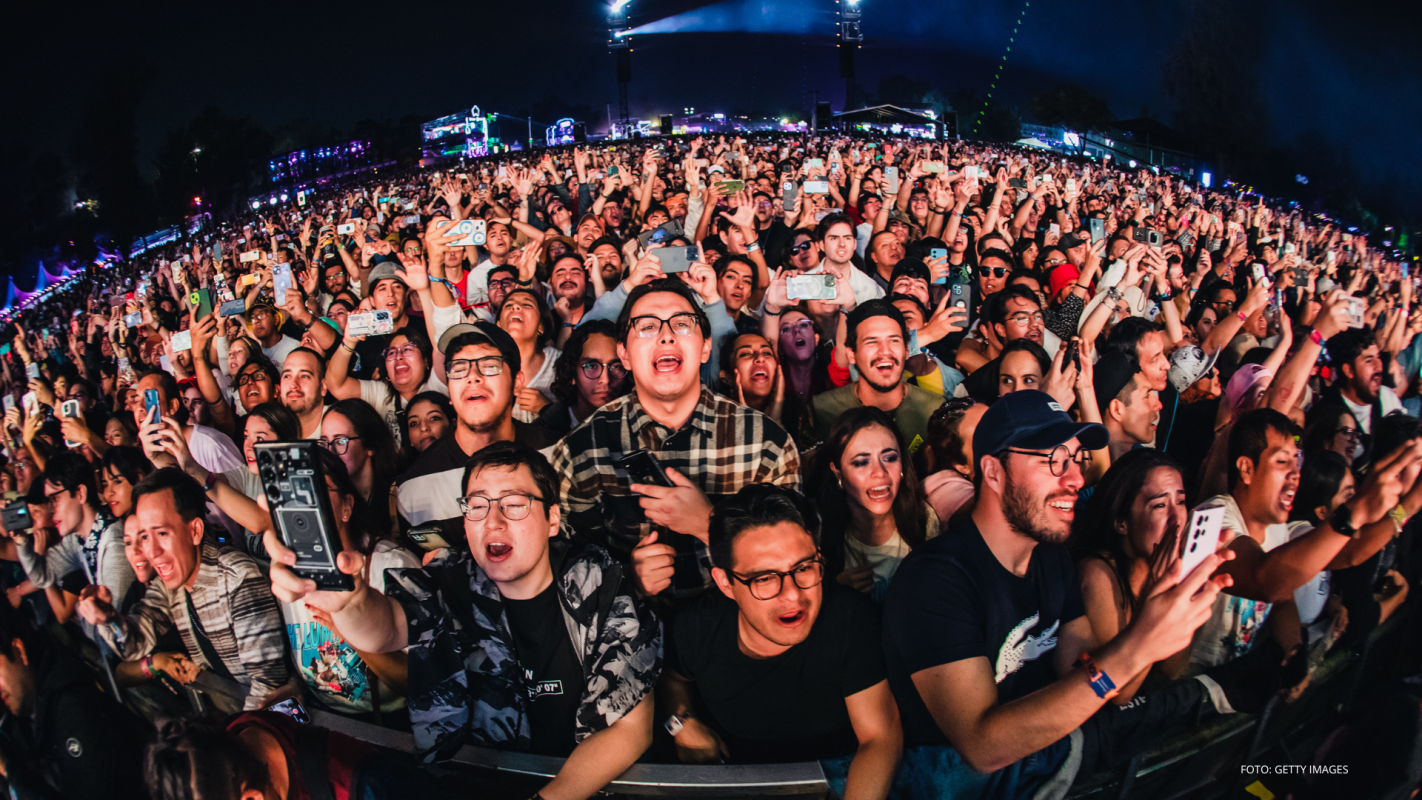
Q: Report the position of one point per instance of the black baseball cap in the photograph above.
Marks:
(1032, 420)
(484, 332)
(912, 267)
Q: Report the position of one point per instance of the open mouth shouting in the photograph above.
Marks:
(498, 551)
(667, 363)
(887, 366)
(879, 494)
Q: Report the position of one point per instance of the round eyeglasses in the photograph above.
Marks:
(338, 445)
(1058, 458)
(514, 507)
(769, 584)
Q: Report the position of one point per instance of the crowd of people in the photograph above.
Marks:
(881, 452)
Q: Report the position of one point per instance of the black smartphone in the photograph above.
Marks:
(1072, 357)
(16, 516)
(300, 505)
(643, 467)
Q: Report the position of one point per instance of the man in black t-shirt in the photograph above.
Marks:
(984, 624)
(787, 667)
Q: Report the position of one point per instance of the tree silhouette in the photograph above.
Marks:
(1072, 107)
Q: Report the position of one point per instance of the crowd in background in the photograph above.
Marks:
(881, 452)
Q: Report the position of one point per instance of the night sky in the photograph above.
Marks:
(1348, 70)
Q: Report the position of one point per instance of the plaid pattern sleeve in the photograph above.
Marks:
(723, 448)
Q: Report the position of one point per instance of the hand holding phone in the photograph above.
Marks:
(1202, 537)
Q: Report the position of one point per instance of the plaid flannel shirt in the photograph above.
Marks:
(235, 606)
(723, 448)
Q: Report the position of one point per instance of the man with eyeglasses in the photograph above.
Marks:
(528, 641)
(90, 547)
(984, 624)
(265, 324)
(788, 668)
(482, 369)
(708, 445)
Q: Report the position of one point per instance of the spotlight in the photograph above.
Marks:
(618, 5)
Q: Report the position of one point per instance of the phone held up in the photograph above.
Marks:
(295, 485)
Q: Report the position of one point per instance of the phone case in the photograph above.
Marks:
(295, 485)
(1202, 536)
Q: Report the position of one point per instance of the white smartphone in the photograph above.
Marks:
(182, 340)
(1202, 537)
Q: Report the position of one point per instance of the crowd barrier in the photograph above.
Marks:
(1202, 762)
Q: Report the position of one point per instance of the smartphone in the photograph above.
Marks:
(1357, 311)
(732, 186)
(818, 286)
(292, 708)
(1098, 229)
(16, 516)
(678, 259)
(150, 404)
(1054, 229)
(182, 340)
(938, 252)
(360, 324)
(428, 537)
(281, 282)
(643, 467)
(70, 409)
(1073, 355)
(295, 484)
(891, 180)
(9, 402)
(345, 229)
(250, 255)
(384, 323)
(660, 235)
(473, 232)
(789, 189)
(202, 301)
(1202, 537)
(33, 370)
(817, 187)
(232, 308)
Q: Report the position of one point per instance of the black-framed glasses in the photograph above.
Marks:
(49, 496)
(504, 283)
(592, 369)
(1228, 305)
(488, 367)
(1058, 458)
(683, 324)
(996, 272)
(403, 352)
(514, 507)
(1352, 433)
(256, 376)
(802, 247)
(768, 585)
(338, 445)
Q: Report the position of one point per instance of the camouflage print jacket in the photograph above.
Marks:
(465, 682)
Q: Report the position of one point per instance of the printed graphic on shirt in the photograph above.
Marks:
(329, 665)
(537, 689)
(1249, 616)
(1017, 651)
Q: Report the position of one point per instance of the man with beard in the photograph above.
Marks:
(878, 337)
(303, 389)
(568, 294)
(483, 371)
(983, 624)
(1359, 385)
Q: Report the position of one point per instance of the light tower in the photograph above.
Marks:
(851, 38)
(619, 41)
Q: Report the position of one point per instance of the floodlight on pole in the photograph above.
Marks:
(619, 41)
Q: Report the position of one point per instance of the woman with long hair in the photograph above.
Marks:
(529, 321)
(120, 469)
(1138, 507)
(871, 501)
(1334, 428)
(354, 432)
(407, 370)
(427, 420)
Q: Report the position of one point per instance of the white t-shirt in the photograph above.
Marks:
(388, 403)
(543, 379)
(1311, 597)
(1364, 413)
(1234, 622)
(329, 665)
(278, 352)
(213, 450)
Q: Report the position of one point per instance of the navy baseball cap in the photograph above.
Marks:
(1032, 420)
